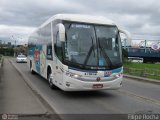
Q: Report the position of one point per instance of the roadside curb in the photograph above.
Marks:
(0, 71)
(1, 65)
(157, 82)
(1, 62)
(38, 95)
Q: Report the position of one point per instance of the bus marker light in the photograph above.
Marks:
(118, 75)
(67, 84)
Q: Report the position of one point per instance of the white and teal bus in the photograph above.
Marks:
(77, 52)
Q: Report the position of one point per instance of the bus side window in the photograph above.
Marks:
(49, 52)
(58, 47)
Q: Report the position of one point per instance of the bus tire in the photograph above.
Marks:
(31, 69)
(50, 80)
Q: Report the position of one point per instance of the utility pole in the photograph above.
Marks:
(145, 46)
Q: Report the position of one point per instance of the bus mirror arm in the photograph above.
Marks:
(61, 32)
(128, 35)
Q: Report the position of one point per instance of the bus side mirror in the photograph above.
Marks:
(61, 32)
(128, 35)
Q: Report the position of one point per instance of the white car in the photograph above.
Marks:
(21, 58)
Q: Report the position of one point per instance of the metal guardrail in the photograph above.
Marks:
(148, 52)
(145, 72)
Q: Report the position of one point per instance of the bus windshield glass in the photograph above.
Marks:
(91, 46)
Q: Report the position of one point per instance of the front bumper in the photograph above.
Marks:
(21, 61)
(72, 84)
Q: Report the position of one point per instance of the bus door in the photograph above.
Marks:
(58, 67)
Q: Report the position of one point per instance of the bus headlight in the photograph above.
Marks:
(73, 75)
(76, 76)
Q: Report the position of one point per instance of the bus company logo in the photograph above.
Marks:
(4, 116)
(98, 79)
(36, 55)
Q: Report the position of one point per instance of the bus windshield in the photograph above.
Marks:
(91, 46)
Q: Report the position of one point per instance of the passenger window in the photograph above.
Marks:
(49, 52)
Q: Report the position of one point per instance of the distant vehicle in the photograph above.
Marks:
(21, 59)
(78, 52)
(135, 59)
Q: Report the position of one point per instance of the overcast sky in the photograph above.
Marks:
(18, 18)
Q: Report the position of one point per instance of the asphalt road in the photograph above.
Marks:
(133, 97)
(17, 99)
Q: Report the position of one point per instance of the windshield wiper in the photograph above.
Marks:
(107, 59)
(88, 55)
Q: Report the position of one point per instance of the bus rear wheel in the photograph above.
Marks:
(31, 69)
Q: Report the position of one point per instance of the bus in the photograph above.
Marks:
(77, 52)
(135, 59)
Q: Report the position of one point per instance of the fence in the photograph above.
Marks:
(145, 72)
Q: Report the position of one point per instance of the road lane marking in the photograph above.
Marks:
(139, 97)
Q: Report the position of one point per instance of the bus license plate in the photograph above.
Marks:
(97, 85)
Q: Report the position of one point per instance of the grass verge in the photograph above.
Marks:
(143, 69)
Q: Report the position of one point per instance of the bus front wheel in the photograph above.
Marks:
(50, 80)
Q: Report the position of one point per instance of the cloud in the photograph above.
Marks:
(138, 17)
(133, 15)
(34, 13)
(18, 33)
(4, 29)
